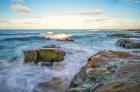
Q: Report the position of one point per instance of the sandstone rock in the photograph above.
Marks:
(129, 70)
(100, 68)
(126, 79)
(128, 43)
(78, 90)
(108, 57)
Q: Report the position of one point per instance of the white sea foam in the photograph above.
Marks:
(51, 35)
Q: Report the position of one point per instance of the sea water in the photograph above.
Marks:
(16, 76)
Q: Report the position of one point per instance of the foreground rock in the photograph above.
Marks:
(126, 79)
(44, 56)
(128, 43)
(99, 70)
(56, 84)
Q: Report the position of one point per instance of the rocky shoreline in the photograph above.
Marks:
(105, 71)
(110, 71)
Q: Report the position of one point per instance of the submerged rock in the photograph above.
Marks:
(134, 30)
(119, 35)
(52, 46)
(56, 84)
(100, 69)
(128, 43)
(44, 56)
(123, 36)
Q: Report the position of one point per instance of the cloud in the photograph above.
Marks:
(72, 13)
(101, 19)
(31, 23)
(4, 21)
(91, 12)
(19, 8)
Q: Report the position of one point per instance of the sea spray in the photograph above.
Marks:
(50, 35)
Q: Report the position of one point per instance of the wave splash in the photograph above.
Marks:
(52, 36)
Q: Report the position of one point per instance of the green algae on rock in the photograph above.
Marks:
(44, 56)
(51, 55)
(31, 56)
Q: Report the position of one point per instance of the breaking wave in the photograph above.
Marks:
(52, 36)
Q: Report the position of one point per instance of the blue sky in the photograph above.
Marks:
(61, 14)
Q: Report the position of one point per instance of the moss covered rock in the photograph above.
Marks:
(31, 56)
(44, 56)
(51, 55)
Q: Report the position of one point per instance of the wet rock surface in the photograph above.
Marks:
(44, 56)
(120, 36)
(129, 43)
(52, 46)
(108, 71)
(126, 79)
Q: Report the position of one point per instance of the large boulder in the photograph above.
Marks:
(44, 56)
(51, 55)
(129, 43)
(101, 67)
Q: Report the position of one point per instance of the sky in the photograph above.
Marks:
(69, 14)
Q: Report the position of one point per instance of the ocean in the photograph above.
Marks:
(16, 76)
